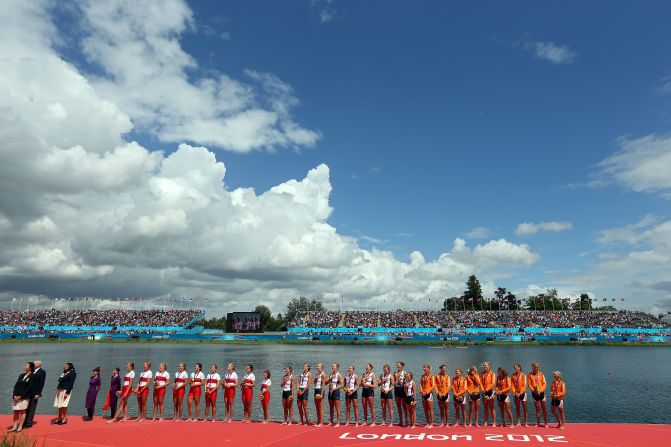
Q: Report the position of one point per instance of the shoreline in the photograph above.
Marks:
(439, 344)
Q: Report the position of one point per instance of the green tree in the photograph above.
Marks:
(300, 305)
(583, 303)
(266, 315)
(215, 323)
(452, 304)
(473, 294)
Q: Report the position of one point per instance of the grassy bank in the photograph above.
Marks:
(330, 342)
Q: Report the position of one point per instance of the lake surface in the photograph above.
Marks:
(605, 383)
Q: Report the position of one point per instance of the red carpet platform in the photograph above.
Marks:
(98, 433)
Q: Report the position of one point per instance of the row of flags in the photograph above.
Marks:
(83, 302)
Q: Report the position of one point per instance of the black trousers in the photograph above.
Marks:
(30, 412)
(113, 408)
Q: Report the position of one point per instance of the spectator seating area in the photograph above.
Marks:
(112, 320)
(478, 319)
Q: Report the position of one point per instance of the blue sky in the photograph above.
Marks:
(438, 118)
(437, 121)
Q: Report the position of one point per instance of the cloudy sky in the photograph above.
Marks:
(374, 151)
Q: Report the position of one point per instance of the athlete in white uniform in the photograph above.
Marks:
(178, 389)
(142, 391)
(212, 382)
(319, 381)
(303, 394)
(125, 393)
(335, 384)
(161, 381)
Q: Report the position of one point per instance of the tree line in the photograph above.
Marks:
(274, 323)
(470, 299)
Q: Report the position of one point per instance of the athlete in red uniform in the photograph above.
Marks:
(229, 383)
(161, 381)
(142, 391)
(125, 393)
(181, 376)
(196, 380)
(264, 395)
(212, 382)
(247, 386)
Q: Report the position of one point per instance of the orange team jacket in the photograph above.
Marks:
(427, 384)
(558, 389)
(442, 384)
(488, 380)
(519, 383)
(537, 383)
(459, 386)
(504, 385)
(473, 384)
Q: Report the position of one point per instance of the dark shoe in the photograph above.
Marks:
(55, 422)
(63, 422)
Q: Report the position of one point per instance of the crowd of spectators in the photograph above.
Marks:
(111, 317)
(398, 318)
(478, 319)
(360, 319)
(314, 318)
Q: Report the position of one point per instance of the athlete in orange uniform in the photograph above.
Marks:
(459, 392)
(519, 383)
(473, 386)
(537, 384)
(442, 380)
(427, 384)
(503, 388)
(488, 379)
(557, 393)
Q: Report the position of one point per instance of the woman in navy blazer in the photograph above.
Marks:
(21, 395)
(65, 384)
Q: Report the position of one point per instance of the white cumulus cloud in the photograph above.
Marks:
(84, 210)
(552, 52)
(145, 70)
(642, 164)
(529, 228)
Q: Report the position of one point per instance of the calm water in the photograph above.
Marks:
(605, 384)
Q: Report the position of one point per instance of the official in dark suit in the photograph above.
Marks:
(39, 376)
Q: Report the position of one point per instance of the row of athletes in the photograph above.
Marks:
(399, 386)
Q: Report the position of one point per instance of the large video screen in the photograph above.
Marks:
(243, 322)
